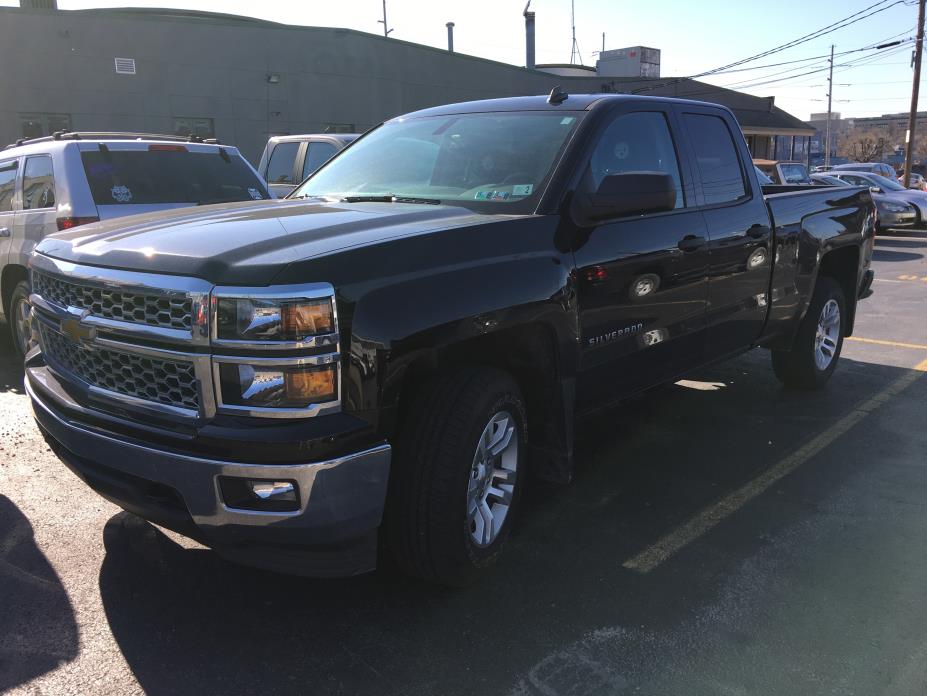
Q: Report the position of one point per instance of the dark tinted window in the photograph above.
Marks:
(638, 142)
(7, 180)
(38, 183)
(716, 157)
(119, 177)
(282, 161)
(317, 154)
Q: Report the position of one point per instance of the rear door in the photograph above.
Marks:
(739, 227)
(9, 168)
(642, 279)
(38, 208)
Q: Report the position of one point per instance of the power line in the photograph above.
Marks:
(840, 24)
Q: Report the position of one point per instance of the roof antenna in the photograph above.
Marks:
(557, 96)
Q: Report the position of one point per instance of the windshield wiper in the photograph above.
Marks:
(213, 201)
(390, 198)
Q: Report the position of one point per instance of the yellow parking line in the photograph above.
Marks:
(710, 517)
(894, 344)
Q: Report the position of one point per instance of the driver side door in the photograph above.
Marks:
(643, 278)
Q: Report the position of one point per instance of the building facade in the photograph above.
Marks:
(242, 80)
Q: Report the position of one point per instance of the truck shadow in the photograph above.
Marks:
(38, 629)
(187, 621)
(880, 254)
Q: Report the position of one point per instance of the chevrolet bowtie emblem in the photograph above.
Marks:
(76, 331)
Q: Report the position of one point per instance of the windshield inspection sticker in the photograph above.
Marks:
(121, 194)
(255, 194)
(522, 189)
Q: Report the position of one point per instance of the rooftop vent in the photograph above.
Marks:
(125, 66)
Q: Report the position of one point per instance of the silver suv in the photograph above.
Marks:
(70, 179)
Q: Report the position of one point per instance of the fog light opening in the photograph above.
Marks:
(261, 495)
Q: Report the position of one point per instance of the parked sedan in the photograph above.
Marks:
(880, 168)
(917, 182)
(894, 212)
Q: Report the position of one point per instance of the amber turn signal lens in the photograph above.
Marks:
(311, 385)
(307, 319)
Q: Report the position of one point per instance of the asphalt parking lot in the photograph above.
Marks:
(722, 536)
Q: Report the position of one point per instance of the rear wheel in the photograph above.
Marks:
(816, 350)
(21, 319)
(458, 476)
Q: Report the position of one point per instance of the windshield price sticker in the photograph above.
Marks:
(522, 189)
(492, 195)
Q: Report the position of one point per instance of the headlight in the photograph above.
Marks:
(292, 386)
(274, 320)
(894, 207)
(276, 350)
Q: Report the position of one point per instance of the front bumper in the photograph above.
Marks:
(332, 533)
(889, 220)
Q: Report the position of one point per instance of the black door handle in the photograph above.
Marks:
(690, 242)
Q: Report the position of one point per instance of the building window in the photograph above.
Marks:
(338, 128)
(200, 127)
(37, 125)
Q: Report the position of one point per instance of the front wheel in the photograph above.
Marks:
(816, 350)
(458, 475)
(21, 319)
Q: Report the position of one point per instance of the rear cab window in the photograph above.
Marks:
(169, 173)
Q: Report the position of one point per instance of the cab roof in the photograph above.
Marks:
(573, 102)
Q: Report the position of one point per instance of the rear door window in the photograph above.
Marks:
(169, 174)
(716, 158)
(7, 184)
(38, 183)
(281, 164)
(317, 154)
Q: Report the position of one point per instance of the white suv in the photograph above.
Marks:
(69, 179)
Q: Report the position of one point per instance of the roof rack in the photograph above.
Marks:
(106, 135)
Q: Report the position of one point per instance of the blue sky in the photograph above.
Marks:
(693, 37)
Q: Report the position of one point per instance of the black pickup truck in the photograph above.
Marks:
(382, 358)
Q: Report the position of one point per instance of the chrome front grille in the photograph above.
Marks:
(170, 312)
(142, 341)
(168, 382)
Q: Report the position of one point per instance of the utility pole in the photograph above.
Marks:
(386, 31)
(912, 119)
(830, 92)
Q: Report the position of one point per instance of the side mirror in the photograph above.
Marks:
(629, 193)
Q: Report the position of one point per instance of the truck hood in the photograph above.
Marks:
(247, 243)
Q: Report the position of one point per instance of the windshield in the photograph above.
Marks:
(488, 161)
(887, 184)
(140, 177)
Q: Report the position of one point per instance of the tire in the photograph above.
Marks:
(20, 326)
(437, 478)
(802, 367)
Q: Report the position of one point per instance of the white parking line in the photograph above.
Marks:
(710, 517)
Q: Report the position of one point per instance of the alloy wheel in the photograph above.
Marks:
(493, 477)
